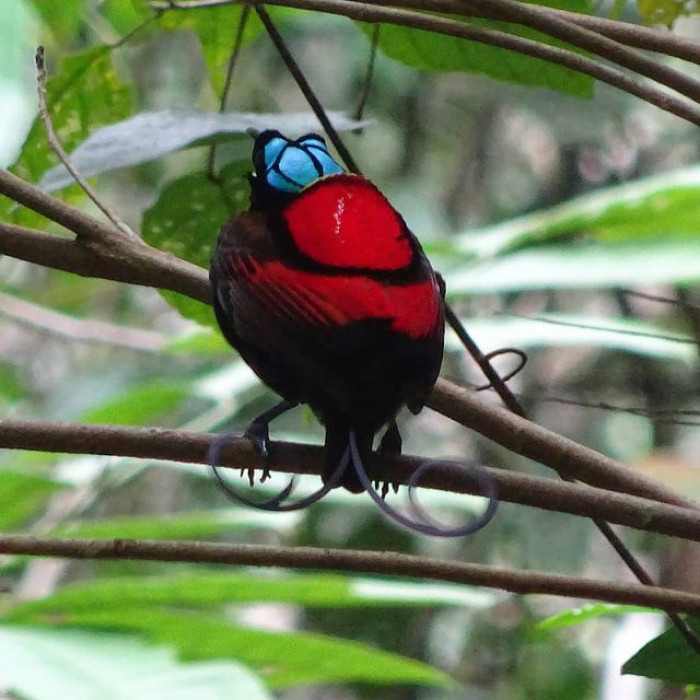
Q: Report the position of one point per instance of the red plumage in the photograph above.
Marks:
(330, 299)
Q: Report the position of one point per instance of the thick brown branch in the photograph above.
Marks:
(81, 224)
(141, 264)
(191, 447)
(366, 562)
(541, 445)
(122, 260)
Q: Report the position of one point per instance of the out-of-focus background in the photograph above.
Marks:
(566, 227)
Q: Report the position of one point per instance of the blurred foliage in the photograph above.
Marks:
(547, 216)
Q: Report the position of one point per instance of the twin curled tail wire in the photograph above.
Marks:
(420, 521)
(278, 503)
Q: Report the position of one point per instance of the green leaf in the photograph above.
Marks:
(189, 525)
(217, 589)
(283, 659)
(22, 495)
(11, 387)
(201, 342)
(84, 93)
(186, 220)
(437, 52)
(216, 29)
(45, 664)
(63, 18)
(125, 15)
(141, 404)
(577, 616)
(583, 266)
(656, 207)
(668, 658)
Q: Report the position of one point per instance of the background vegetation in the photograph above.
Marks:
(552, 207)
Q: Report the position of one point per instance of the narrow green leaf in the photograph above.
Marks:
(217, 589)
(569, 330)
(282, 659)
(189, 525)
(201, 342)
(22, 495)
(583, 266)
(668, 658)
(660, 206)
(577, 616)
(46, 664)
(141, 404)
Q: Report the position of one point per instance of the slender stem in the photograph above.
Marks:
(237, 45)
(348, 560)
(58, 149)
(305, 88)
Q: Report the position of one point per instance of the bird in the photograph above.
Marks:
(328, 296)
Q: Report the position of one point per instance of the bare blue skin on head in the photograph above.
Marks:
(292, 165)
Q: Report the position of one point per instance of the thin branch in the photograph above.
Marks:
(418, 20)
(133, 263)
(305, 88)
(514, 487)
(81, 330)
(564, 29)
(237, 45)
(347, 560)
(541, 445)
(81, 224)
(58, 149)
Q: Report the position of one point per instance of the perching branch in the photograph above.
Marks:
(347, 560)
(514, 487)
(118, 258)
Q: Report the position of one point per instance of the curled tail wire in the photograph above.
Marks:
(423, 522)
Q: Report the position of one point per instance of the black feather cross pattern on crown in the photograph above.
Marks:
(328, 296)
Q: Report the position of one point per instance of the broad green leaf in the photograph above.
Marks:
(83, 93)
(568, 330)
(151, 135)
(189, 525)
(216, 29)
(436, 52)
(217, 589)
(668, 658)
(281, 658)
(46, 664)
(577, 616)
(660, 206)
(186, 220)
(22, 495)
(141, 404)
(582, 266)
